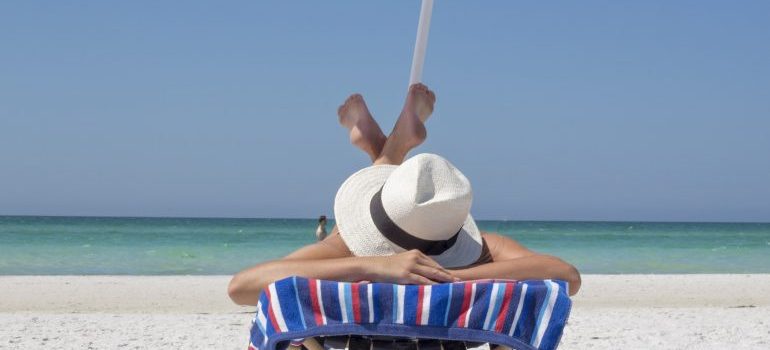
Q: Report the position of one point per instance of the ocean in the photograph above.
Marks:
(32, 245)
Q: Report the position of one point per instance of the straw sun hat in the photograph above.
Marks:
(423, 204)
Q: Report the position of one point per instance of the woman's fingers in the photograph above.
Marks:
(434, 273)
(426, 260)
(417, 279)
(415, 267)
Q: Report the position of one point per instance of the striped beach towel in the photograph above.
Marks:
(518, 314)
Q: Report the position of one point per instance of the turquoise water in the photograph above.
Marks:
(170, 246)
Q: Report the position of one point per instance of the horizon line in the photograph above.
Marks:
(331, 218)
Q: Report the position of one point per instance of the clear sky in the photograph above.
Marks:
(590, 110)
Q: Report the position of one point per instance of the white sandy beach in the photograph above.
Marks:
(169, 312)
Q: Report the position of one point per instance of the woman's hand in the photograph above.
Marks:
(411, 267)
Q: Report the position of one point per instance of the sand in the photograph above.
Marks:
(169, 312)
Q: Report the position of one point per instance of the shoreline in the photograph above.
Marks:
(703, 311)
(186, 293)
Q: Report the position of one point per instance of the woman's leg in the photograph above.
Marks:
(407, 134)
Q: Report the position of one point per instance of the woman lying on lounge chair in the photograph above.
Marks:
(403, 222)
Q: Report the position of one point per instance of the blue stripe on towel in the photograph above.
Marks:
(410, 304)
(296, 307)
(303, 298)
(558, 318)
(449, 304)
(394, 311)
(330, 298)
(456, 306)
(480, 306)
(525, 322)
(542, 310)
(512, 308)
(349, 302)
(377, 301)
(387, 301)
(495, 310)
(259, 329)
(439, 300)
(269, 329)
(363, 301)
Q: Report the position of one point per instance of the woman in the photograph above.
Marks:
(495, 256)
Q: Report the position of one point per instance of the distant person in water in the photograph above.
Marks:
(404, 222)
(320, 231)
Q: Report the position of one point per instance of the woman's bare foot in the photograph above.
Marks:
(421, 100)
(409, 131)
(365, 133)
(410, 127)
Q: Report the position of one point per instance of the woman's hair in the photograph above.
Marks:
(322, 218)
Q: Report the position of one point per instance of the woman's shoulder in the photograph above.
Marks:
(503, 248)
(493, 239)
(496, 238)
(334, 241)
(330, 247)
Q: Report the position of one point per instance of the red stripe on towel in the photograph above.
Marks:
(507, 298)
(467, 291)
(356, 302)
(420, 292)
(271, 313)
(313, 284)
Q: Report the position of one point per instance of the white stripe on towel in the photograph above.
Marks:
(342, 301)
(400, 291)
(492, 304)
(518, 309)
(370, 298)
(276, 306)
(470, 306)
(553, 293)
(425, 312)
(320, 300)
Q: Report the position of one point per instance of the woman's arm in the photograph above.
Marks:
(328, 260)
(512, 260)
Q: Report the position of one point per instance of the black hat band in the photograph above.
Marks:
(403, 239)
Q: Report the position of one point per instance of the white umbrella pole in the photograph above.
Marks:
(421, 43)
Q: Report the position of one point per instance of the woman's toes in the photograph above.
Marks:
(354, 98)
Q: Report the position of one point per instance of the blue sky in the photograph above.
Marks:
(593, 110)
